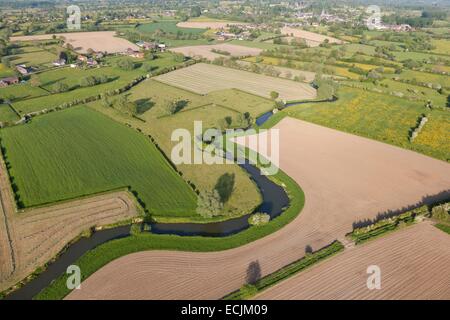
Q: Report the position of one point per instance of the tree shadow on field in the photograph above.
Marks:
(143, 105)
(225, 186)
(308, 249)
(253, 272)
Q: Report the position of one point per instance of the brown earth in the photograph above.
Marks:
(413, 263)
(345, 178)
(104, 41)
(312, 39)
(29, 239)
(205, 51)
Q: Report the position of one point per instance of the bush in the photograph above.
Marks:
(60, 87)
(441, 212)
(135, 229)
(259, 219)
(209, 204)
(125, 64)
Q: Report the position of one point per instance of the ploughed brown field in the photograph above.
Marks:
(104, 41)
(413, 263)
(30, 239)
(204, 78)
(205, 51)
(312, 39)
(345, 178)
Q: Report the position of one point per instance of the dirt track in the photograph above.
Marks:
(421, 275)
(345, 178)
(30, 239)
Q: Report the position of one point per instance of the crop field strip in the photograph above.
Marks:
(205, 78)
(91, 139)
(426, 277)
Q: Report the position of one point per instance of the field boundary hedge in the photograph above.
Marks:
(249, 290)
(93, 98)
(380, 227)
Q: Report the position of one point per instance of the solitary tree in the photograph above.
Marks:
(274, 95)
(60, 87)
(208, 204)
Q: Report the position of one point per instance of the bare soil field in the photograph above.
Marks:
(206, 51)
(310, 43)
(421, 275)
(287, 72)
(345, 178)
(30, 239)
(312, 39)
(204, 78)
(82, 41)
(207, 24)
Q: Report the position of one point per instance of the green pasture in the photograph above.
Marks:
(78, 152)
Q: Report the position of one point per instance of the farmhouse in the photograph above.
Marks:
(147, 45)
(91, 62)
(133, 53)
(59, 62)
(82, 58)
(8, 81)
(162, 47)
(24, 70)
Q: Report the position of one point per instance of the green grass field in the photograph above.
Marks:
(442, 46)
(78, 151)
(72, 77)
(40, 58)
(7, 114)
(356, 47)
(21, 91)
(381, 117)
(412, 92)
(256, 44)
(168, 27)
(417, 56)
(5, 72)
(426, 77)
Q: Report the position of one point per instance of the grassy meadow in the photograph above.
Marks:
(210, 109)
(71, 77)
(78, 151)
(7, 114)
